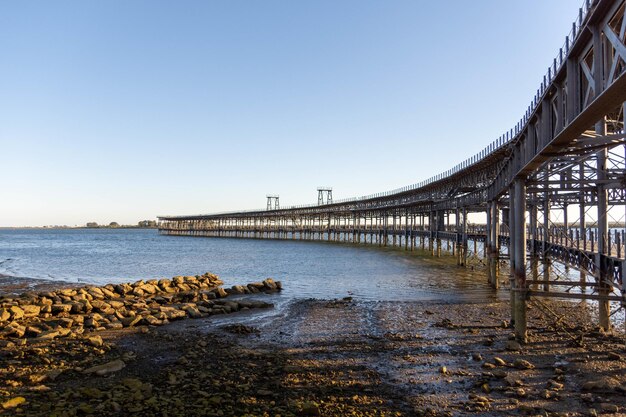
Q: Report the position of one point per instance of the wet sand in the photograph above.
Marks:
(11, 285)
(341, 357)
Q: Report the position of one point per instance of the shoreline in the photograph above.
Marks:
(333, 357)
(72, 227)
(11, 285)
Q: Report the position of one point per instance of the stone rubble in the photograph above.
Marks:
(49, 315)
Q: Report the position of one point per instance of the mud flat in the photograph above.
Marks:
(11, 285)
(336, 358)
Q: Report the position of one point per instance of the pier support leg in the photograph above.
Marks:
(547, 262)
(604, 309)
(494, 233)
(511, 225)
(464, 244)
(604, 313)
(534, 261)
(519, 251)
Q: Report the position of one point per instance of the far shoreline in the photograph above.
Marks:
(72, 227)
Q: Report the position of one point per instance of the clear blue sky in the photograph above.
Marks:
(122, 110)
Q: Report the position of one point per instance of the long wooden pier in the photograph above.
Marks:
(549, 188)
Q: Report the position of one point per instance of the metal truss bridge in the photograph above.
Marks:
(552, 188)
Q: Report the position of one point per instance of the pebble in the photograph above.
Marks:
(512, 345)
(523, 364)
(95, 341)
(310, 408)
(604, 384)
(554, 385)
(499, 361)
(13, 402)
(609, 408)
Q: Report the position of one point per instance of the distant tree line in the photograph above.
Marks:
(113, 225)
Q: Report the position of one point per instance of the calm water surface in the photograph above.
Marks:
(307, 269)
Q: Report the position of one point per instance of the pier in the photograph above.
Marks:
(551, 189)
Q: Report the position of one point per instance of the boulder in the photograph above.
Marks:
(96, 293)
(16, 312)
(193, 312)
(237, 289)
(151, 320)
(131, 321)
(14, 330)
(49, 335)
(165, 284)
(174, 314)
(123, 289)
(149, 288)
(115, 325)
(31, 310)
(270, 284)
(33, 331)
(232, 305)
(108, 293)
(138, 292)
(61, 308)
(77, 307)
(65, 322)
(219, 292)
(107, 368)
(91, 322)
(45, 301)
(102, 307)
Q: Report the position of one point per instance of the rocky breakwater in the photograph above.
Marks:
(37, 317)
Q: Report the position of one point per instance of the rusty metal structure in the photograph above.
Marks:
(552, 189)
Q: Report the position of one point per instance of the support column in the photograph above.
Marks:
(547, 262)
(582, 238)
(534, 261)
(440, 226)
(406, 229)
(519, 251)
(511, 224)
(604, 309)
(432, 227)
(601, 157)
(464, 236)
(458, 237)
(494, 250)
(488, 243)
